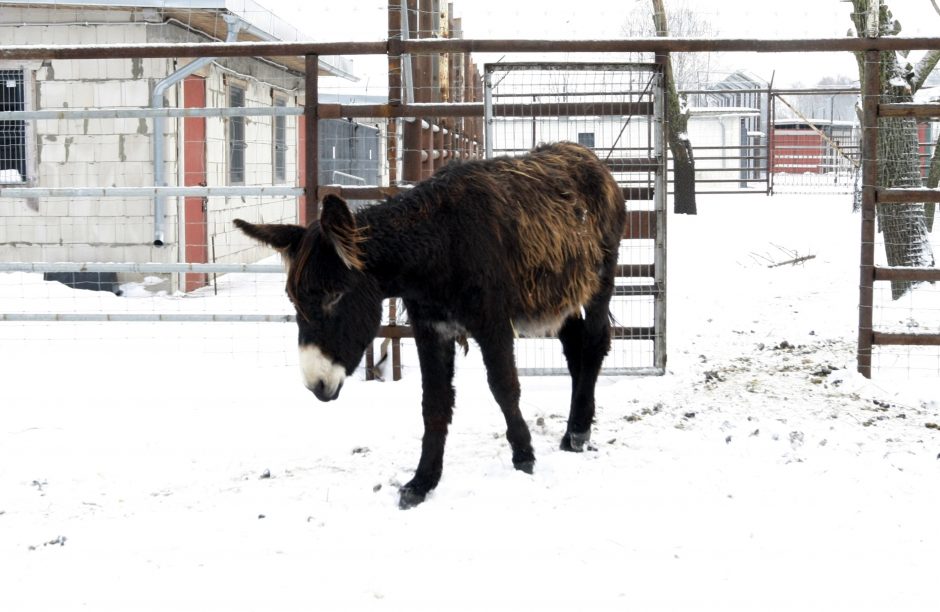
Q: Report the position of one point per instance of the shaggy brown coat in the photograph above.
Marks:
(485, 248)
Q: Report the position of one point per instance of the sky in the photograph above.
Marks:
(366, 20)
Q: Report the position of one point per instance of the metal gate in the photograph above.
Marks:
(616, 109)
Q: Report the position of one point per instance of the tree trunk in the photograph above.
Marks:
(677, 133)
(904, 226)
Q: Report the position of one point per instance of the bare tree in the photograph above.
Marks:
(680, 68)
(904, 226)
(691, 70)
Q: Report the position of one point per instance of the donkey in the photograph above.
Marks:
(485, 248)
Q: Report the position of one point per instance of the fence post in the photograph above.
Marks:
(311, 136)
(871, 94)
(771, 129)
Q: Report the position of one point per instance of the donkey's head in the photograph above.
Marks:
(338, 304)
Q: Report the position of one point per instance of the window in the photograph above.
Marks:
(586, 139)
(236, 137)
(280, 143)
(12, 132)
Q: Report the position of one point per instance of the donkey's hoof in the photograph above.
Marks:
(409, 497)
(527, 466)
(575, 442)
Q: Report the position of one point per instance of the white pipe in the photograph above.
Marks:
(146, 317)
(141, 268)
(149, 113)
(156, 102)
(144, 192)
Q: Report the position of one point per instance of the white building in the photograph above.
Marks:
(124, 152)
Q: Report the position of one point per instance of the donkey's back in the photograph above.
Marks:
(487, 248)
(541, 229)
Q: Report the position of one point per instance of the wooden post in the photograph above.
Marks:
(394, 90)
(871, 94)
(424, 87)
(411, 128)
(311, 135)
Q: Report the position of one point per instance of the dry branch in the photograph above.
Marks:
(793, 261)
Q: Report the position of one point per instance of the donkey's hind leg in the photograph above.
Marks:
(585, 342)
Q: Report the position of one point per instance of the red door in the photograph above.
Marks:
(194, 174)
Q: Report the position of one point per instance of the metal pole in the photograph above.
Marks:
(142, 268)
(488, 112)
(659, 204)
(871, 88)
(142, 192)
(149, 113)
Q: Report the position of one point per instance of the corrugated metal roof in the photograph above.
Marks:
(202, 15)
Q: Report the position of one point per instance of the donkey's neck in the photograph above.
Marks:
(403, 242)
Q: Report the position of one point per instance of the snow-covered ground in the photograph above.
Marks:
(163, 466)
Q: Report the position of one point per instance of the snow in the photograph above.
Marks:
(10, 175)
(185, 467)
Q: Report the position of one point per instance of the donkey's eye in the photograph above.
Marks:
(331, 300)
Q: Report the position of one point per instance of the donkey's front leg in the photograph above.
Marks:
(436, 355)
(497, 349)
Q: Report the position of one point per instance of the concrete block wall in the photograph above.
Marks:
(231, 244)
(118, 152)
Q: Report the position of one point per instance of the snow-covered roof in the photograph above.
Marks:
(740, 79)
(260, 23)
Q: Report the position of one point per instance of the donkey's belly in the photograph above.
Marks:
(543, 326)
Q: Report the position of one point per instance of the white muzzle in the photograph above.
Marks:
(321, 374)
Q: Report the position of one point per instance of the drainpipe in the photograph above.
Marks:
(156, 102)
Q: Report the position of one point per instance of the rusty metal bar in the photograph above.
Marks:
(618, 333)
(906, 339)
(395, 332)
(464, 45)
(637, 193)
(572, 109)
(475, 109)
(632, 164)
(311, 139)
(907, 274)
(666, 44)
(906, 196)
(641, 225)
(633, 333)
(359, 193)
(380, 193)
(636, 270)
(854, 91)
(872, 94)
(923, 111)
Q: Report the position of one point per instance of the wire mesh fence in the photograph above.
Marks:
(904, 239)
(149, 159)
(616, 110)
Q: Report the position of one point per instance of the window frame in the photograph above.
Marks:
(236, 148)
(279, 146)
(582, 136)
(28, 144)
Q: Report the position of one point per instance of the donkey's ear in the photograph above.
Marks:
(283, 237)
(339, 228)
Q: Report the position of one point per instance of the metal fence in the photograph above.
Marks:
(616, 109)
(65, 149)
